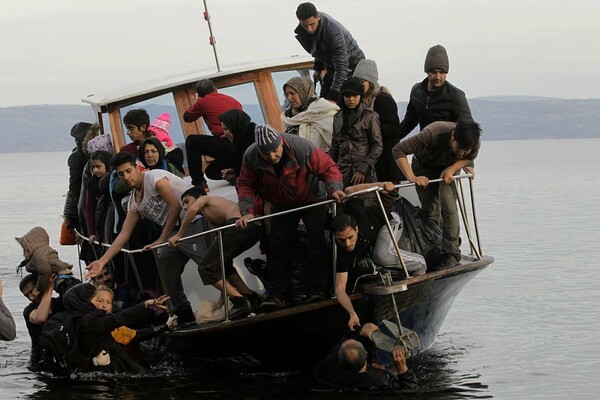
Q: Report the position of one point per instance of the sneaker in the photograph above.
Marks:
(241, 308)
(448, 261)
(273, 303)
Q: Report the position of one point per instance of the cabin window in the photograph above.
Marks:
(246, 94)
(155, 107)
(281, 77)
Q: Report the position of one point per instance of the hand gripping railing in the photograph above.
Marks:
(375, 189)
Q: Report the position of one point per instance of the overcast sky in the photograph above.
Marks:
(56, 52)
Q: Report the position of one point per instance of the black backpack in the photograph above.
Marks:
(60, 353)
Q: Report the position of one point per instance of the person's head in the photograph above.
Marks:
(137, 122)
(204, 87)
(366, 70)
(190, 196)
(345, 230)
(151, 153)
(352, 356)
(437, 66)
(298, 91)
(104, 278)
(27, 286)
(100, 161)
(95, 130)
(351, 92)
(79, 130)
(269, 143)
(103, 298)
(309, 17)
(125, 165)
(235, 123)
(465, 136)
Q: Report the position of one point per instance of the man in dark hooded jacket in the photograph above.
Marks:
(331, 44)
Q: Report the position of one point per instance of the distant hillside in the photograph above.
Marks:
(47, 127)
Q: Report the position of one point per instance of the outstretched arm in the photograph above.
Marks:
(342, 297)
(129, 224)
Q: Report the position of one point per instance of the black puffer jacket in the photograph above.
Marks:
(387, 109)
(333, 45)
(446, 104)
(76, 163)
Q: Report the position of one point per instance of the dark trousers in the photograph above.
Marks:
(219, 148)
(235, 242)
(281, 249)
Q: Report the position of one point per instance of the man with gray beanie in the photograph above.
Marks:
(434, 99)
(288, 171)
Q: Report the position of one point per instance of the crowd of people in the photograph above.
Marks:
(346, 139)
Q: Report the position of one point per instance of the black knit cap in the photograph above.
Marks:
(352, 86)
(437, 58)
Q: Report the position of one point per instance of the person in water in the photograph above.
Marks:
(348, 367)
(8, 330)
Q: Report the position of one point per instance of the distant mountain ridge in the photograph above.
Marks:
(47, 127)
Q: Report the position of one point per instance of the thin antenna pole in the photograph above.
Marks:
(211, 39)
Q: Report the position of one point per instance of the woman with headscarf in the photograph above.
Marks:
(239, 129)
(307, 115)
(152, 154)
(379, 99)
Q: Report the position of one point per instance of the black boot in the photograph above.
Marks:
(241, 308)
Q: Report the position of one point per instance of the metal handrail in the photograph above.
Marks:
(374, 189)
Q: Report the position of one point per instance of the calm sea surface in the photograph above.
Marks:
(526, 327)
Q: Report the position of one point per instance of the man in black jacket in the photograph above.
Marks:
(434, 99)
(333, 47)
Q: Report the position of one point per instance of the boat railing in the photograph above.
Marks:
(474, 240)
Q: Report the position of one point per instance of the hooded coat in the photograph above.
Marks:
(76, 163)
(40, 258)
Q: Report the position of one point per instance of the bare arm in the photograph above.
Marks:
(129, 224)
(40, 315)
(344, 299)
(388, 186)
(189, 217)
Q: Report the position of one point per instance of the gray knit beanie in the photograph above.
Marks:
(437, 58)
(267, 138)
(367, 71)
(304, 87)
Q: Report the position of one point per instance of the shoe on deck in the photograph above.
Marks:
(241, 307)
(273, 303)
(447, 262)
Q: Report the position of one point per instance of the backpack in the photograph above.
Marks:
(60, 352)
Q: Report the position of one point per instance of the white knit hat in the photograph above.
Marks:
(367, 71)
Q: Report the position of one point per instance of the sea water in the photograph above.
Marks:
(526, 327)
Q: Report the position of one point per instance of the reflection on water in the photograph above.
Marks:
(526, 327)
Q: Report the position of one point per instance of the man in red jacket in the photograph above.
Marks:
(288, 171)
(210, 105)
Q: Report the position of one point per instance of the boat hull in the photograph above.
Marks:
(297, 337)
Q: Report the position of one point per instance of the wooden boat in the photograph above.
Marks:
(299, 335)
